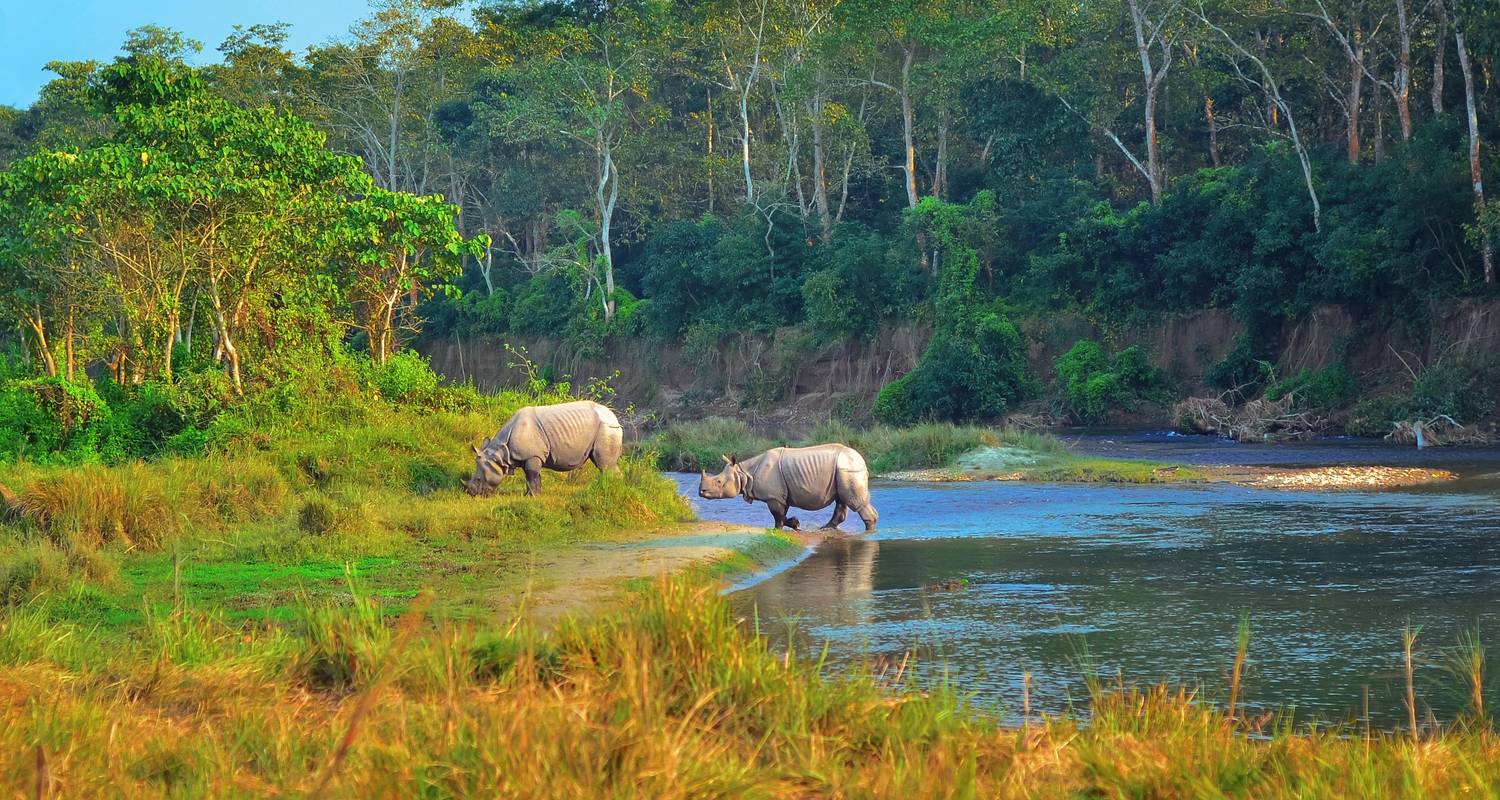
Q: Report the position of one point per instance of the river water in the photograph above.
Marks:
(1149, 582)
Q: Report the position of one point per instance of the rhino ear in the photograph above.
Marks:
(727, 459)
(476, 448)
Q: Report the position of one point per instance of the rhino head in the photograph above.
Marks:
(732, 482)
(491, 465)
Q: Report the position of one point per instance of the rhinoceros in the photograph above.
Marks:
(801, 477)
(559, 437)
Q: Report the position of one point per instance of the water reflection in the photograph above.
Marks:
(838, 579)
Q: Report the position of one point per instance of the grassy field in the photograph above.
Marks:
(669, 698)
(286, 512)
(953, 450)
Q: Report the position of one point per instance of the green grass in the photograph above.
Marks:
(280, 517)
(699, 445)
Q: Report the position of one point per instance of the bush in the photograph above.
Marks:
(1095, 384)
(1328, 389)
(1462, 389)
(51, 418)
(405, 378)
(43, 568)
(1373, 417)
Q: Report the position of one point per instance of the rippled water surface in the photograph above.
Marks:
(1150, 581)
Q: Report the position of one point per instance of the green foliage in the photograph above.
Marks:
(1095, 384)
(1463, 389)
(1330, 388)
(405, 378)
(975, 364)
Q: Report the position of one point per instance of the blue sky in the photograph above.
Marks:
(33, 32)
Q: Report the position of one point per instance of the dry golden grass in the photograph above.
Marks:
(670, 699)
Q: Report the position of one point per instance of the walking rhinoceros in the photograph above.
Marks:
(559, 437)
(804, 477)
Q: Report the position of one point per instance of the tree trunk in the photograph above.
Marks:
(710, 94)
(1263, 42)
(1476, 174)
(43, 349)
(1439, 51)
(69, 332)
(1401, 86)
(607, 193)
(940, 172)
(1355, 99)
(391, 159)
(1153, 75)
(908, 122)
(1213, 131)
(820, 165)
(226, 345)
(1379, 131)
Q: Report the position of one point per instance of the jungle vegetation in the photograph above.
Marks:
(698, 171)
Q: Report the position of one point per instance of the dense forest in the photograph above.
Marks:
(701, 171)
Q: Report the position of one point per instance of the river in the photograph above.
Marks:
(1149, 582)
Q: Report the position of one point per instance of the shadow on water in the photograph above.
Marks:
(1150, 581)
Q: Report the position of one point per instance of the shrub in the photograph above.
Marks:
(343, 644)
(1373, 416)
(52, 418)
(425, 476)
(1095, 384)
(975, 364)
(1328, 389)
(1246, 366)
(43, 568)
(1462, 389)
(405, 378)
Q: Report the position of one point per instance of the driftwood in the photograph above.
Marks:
(1439, 430)
(1040, 421)
(1256, 421)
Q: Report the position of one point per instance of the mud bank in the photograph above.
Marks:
(596, 577)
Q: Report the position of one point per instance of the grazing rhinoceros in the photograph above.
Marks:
(559, 437)
(804, 477)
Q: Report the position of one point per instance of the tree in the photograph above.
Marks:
(1476, 171)
(395, 247)
(589, 80)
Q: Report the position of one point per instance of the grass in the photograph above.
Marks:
(668, 698)
(959, 450)
(249, 531)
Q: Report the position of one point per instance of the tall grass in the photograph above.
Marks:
(669, 698)
(698, 445)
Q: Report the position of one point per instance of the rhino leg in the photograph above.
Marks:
(869, 515)
(533, 469)
(778, 513)
(840, 511)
